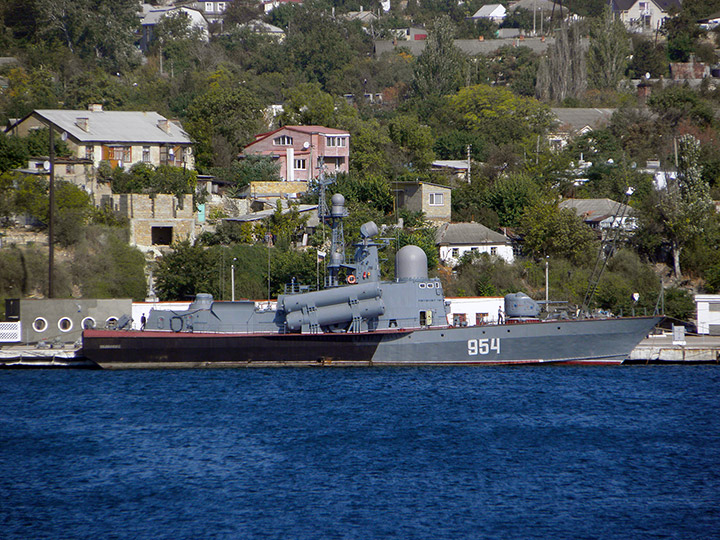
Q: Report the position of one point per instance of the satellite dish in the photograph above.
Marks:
(306, 145)
(46, 165)
(64, 136)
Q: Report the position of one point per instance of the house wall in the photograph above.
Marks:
(276, 189)
(708, 313)
(643, 14)
(99, 152)
(475, 309)
(145, 213)
(450, 258)
(336, 158)
(436, 213)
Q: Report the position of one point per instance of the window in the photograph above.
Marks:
(146, 154)
(121, 153)
(493, 251)
(300, 164)
(459, 319)
(221, 7)
(208, 7)
(436, 199)
(90, 152)
(336, 141)
(283, 140)
(65, 324)
(88, 323)
(40, 324)
(455, 252)
(480, 318)
(69, 169)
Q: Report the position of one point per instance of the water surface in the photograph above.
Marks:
(456, 452)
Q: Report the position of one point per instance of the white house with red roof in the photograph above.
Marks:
(301, 149)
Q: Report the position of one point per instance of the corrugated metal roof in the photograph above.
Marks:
(115, 126)
(468, 234)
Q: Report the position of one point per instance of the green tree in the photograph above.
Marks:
(549, 231)
(222, 118)
(500, 114)
(251, 168)
(177, 41)
(509, 197)
(307, 104)
(677, 103)
(439, 69)
(682, 37)
(242, 12)
(563, 73)
(186, 271)
(105, 266)
(413, 140)
(100, 29)
(686, 205)
(609, 52)
(647, 57)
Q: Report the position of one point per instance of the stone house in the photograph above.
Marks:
(456, 239)
(301, 149)
(434, 200)
(122, 138)
(155, 221)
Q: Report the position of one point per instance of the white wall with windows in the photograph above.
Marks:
(450, 254)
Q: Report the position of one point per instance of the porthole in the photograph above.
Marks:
(111, 323)
(40, 324)
(430, 286)
(422, 285)
(88, 323)
(65, 324)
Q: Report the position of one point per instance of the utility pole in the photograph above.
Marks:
(232, 278)
(51, 216)
(469, 147)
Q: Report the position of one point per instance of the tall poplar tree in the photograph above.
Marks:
(439, 69)
(609, 52)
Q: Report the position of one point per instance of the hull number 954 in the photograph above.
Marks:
(483, 346)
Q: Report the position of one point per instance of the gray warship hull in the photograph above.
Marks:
(589, 341)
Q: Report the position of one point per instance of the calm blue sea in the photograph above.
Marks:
(529, 452)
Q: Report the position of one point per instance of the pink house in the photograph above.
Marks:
(299, 148)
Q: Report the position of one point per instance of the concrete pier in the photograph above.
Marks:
(663, 350)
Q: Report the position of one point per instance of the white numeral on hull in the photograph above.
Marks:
(483, 346)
